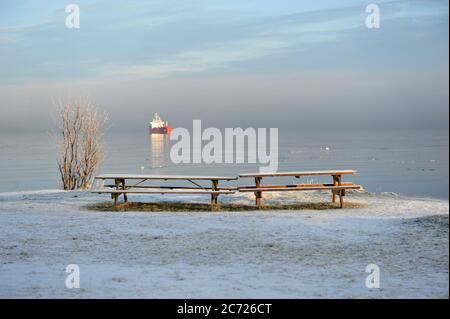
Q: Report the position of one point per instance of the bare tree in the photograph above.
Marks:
(79, 139)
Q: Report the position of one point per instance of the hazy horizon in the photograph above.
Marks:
(289, 64)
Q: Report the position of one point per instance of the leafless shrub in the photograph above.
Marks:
(79, 140)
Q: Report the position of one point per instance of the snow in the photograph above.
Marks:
(255, 254)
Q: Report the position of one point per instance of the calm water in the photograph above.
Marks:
(414, 163)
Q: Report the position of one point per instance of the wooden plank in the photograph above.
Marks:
(164, 177)
(174, 187)
(162, 191)
(301, 173)
(294, 185)
(302, 188)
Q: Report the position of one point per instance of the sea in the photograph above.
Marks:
(411, 163)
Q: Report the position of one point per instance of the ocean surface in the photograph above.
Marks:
(409, 163)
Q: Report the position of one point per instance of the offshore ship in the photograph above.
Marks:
(158, 126)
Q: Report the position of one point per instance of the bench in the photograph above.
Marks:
(135, 184)
(337, 187)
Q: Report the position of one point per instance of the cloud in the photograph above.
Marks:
(212, 57)
(169, 38)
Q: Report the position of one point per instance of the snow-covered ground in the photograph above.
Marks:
(257, 254)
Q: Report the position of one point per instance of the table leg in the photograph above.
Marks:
(333, 199)
(120, 185)
(214, 197)
(258, 195)
(125, 196)
(341, 192)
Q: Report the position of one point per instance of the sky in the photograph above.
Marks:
(288, 63)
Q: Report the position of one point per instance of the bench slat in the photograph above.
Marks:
(295, 185)
(162, 191)
(164, 177)
(170, 187)
(303, 173)
(298, 188)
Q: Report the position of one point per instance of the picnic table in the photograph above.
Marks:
(125, 184)
(136, 184)
(337, 187)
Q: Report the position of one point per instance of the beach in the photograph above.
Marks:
(224, 149)
(254, 254)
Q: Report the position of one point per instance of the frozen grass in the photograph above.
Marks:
(292, 253)
(200, 207)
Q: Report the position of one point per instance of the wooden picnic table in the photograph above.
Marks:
(135, 184)
(337, 187)
(121, 187)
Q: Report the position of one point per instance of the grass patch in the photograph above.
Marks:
(199, 207)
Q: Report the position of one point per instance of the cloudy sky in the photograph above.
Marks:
(261, 63)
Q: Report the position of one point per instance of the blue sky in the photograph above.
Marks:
(142, 52)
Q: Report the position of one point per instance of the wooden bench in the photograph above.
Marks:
(135, 184)
(337, 187)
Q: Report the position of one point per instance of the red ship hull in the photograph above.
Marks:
(161, 130)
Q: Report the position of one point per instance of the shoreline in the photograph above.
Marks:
(364, 192)
(360, 204)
